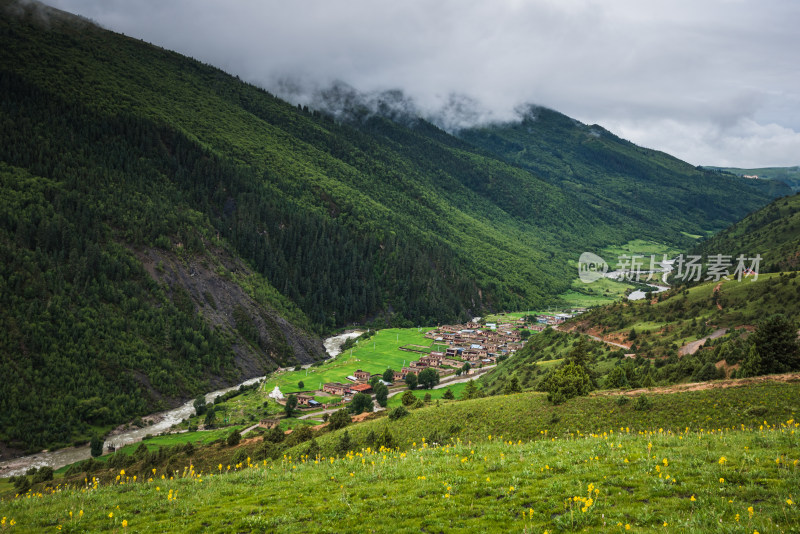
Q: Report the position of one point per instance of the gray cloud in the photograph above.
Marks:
(712, 82)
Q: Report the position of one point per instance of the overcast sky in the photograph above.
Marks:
(713, 82)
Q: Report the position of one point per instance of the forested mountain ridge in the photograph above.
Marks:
(618, 179)
(788, 175)
(773, 232)
(135, 180)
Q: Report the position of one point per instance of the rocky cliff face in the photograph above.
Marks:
(216, 286)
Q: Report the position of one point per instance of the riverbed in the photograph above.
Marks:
(639, 294)
(161, 422)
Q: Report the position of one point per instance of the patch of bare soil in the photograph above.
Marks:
(716, 292)
(700, 386)
(361, 417)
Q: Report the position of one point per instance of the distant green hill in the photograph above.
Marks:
(618, 181)
(166, 227)
(788, 175)
(773, 232)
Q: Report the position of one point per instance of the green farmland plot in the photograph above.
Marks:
(374, 355)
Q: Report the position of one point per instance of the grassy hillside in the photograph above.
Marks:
(526, 415)
(773, 232)
(679, 316)
(740, 472)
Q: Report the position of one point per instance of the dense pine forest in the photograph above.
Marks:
(113, 150)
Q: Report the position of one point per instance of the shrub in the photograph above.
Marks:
(381, 394)
(312, 451)
(339, 419)
(299, 435)
(386, 439)
(643, 403)
(568, 382)
(240, 457)
(397, 413)
(266, 451)
(408, 398)
(617, 378)
(234, 438)
(96, 446)
(371, 438)
(757, 411)
(361, 403)
(345, 444)
(411, 381)
(44, 474)
(512, 386)
(275, 435)
(21, 483)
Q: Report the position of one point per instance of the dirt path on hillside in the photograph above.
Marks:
(694, 346)
(596, 338)
(716, 292)
(699, 386)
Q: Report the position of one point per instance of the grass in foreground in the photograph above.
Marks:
(733, 480)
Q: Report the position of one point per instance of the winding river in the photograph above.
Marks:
(161, 422)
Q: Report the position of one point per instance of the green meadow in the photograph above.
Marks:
(374, 355)
(731, 480)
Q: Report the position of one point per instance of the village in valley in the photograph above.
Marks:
(454, 351)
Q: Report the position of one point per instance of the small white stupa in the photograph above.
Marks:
(276, 394)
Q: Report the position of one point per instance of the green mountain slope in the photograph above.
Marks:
(617, 180)
(773, 232)
(788, 175)
(166, 227)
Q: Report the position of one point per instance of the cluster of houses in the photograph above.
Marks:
(474, 343)
(551, 319)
